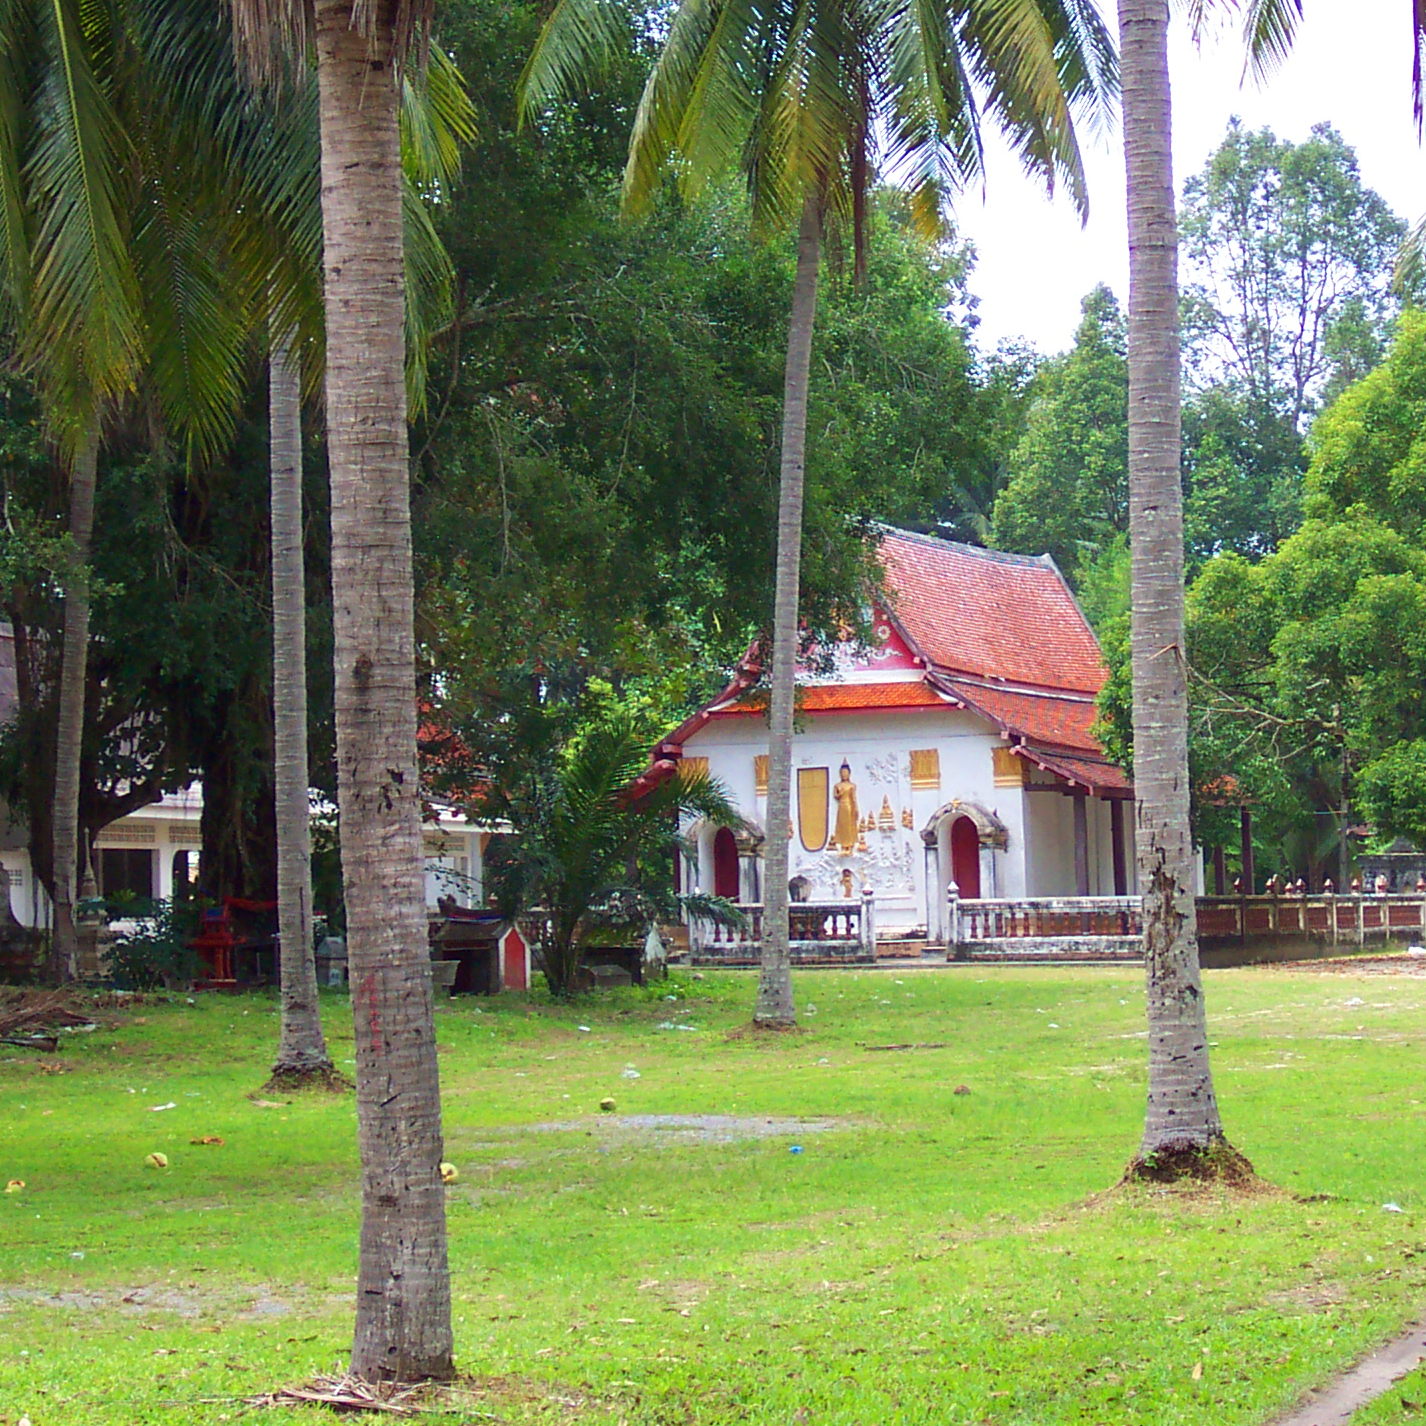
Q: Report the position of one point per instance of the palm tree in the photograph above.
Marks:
(804, 100)
(581, 839)
(120, 267)
(302, 1047)
(403, 1324)
(1183, 1133)
(436, 115)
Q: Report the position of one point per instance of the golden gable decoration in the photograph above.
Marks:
(1009, 770)
(926, 767)
(760, 774)
(689, 768)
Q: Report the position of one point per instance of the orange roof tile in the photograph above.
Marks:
(1061, 721)
(847, 697)
(989, 614)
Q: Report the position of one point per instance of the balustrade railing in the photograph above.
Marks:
(1350, 919)
(831, 927)
(1023, 917)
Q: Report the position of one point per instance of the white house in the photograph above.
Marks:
(956, 748)
(151, 851)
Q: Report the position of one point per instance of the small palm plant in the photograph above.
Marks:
(592, 846)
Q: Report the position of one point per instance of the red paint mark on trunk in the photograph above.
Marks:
(373, 1011)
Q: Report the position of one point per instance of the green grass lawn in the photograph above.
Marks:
(928, 1256)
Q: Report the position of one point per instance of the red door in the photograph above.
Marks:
(725, 864)
(965, 858)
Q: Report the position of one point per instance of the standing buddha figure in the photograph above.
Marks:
(847, 829)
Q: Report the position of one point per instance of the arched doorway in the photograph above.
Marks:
(725, 864)
(965, 857)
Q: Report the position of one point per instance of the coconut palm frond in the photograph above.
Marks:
(1268, 30)
(1014, 50)
(1089, 63)
(84, 298)
(17, 41)
(705, 70)
(430, 285)
(1408, 276)
(196, 303)
(437, 118)
(578, 42)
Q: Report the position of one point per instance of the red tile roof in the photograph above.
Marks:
(1052, 730)
(1057, 720)
(846, 698)
(999, 634)
(1100, 775)
(989, 614)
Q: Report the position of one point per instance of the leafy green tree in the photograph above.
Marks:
(1368, 449)
(1068, 493)
(1291, 260)
(1242, 476)
(1392, 789)
(593, 846)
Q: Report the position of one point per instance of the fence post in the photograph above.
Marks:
(868, 927)
(953, 919)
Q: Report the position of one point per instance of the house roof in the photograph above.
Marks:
(847, 698)
(999, 635)
(992, 615)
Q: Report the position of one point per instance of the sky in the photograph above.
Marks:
(1350, 66)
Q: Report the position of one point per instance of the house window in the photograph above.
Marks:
(125, 871)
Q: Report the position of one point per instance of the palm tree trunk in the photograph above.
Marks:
(69, 714)
(774, 1003)
(403, 1321)
(301, 1047)
(1182, 1117)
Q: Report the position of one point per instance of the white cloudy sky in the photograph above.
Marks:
(1351, 66)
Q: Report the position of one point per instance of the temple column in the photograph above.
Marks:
(1081, 842)
(1117, 848)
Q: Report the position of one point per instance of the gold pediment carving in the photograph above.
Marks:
(926, 767)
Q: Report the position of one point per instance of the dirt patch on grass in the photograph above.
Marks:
(1310, 1297)
(690, 1128)
(754, 1030)
(132, 1300)
(1401, 963)
(455, 1397)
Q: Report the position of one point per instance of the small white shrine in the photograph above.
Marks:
(957, 747)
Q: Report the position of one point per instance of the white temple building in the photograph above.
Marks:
(956, 748)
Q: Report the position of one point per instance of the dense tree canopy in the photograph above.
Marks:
(1308, 665)
(1068, 490)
